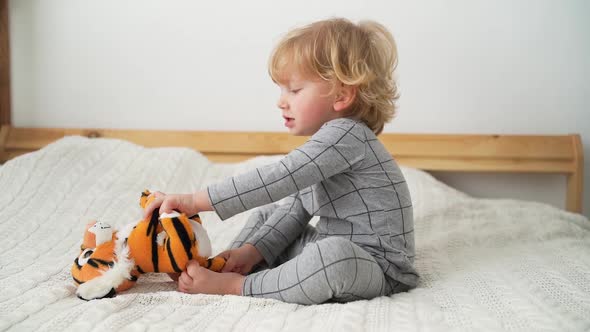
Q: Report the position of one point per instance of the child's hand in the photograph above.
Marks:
(185, 203)
(241, 260)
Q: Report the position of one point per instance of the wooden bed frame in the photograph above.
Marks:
(459, 153)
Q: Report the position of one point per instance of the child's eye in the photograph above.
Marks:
(295, 90)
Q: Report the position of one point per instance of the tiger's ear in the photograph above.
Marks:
(97, 234)
(146, 198)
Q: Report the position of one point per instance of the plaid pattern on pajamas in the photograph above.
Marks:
(344, 175)
(314, 269)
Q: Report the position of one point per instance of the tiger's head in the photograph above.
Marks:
(98, 271)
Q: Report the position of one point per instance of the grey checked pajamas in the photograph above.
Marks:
(363, 243)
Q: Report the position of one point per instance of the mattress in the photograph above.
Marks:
(484, 264)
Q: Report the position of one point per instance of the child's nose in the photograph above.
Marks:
(281, 103)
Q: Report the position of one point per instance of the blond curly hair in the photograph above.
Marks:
(362, 55)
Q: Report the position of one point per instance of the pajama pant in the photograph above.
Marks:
(313, 269)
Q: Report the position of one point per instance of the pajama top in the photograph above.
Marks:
(344, 175)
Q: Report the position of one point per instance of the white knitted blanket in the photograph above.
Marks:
(484, 264)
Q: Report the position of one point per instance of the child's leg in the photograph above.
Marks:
(309, 235)
(330, 269)
(255, 221)
(200, 280)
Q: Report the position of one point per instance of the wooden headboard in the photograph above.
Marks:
(460, 153)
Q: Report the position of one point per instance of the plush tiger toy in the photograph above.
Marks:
(111, 261)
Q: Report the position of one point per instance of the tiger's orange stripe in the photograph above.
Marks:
(141, 246)
(181, 249)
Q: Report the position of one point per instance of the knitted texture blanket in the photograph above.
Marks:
(484, 264)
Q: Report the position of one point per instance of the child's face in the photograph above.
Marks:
(306, 104)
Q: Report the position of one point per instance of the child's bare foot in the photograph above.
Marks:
(199, 280)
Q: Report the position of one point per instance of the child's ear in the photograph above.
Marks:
(344, 97)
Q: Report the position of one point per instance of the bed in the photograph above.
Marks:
(485, 264)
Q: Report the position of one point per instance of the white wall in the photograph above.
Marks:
(506, 67)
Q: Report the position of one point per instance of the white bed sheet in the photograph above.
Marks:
(484, 264)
